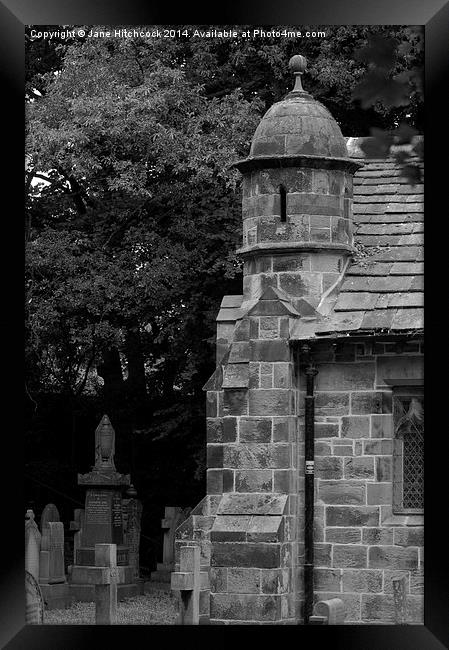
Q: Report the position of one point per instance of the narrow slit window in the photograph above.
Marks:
(283, 195)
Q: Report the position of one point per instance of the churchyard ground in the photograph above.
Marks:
(156, 608)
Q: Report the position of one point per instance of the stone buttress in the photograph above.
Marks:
(297, 239)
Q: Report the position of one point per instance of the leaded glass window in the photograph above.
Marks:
(408, 462)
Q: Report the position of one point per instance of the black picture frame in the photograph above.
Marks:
(434, 15)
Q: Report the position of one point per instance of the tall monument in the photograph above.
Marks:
(103, 515)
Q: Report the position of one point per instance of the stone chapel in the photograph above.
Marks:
(315, 413)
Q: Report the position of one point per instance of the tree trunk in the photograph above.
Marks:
(136, 386)
(111, 371)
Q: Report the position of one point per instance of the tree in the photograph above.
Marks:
(387, 85)
(133, 222)
(129, 236)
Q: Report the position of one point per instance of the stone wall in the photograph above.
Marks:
(250, 526)
(252, 459)
(318, 216)
(360, 544)
(195, 530)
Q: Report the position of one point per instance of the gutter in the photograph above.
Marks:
(309, 480)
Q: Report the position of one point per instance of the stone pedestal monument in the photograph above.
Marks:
(103, 523)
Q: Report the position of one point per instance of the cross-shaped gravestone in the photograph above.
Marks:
(187, 582)
(77, 526)
(106, 584)
(168, 525)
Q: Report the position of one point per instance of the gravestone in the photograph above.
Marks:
(34, 602)
(76, 527)
(44, 558)
(103, 517)
(32, 545)
(52, 578)
(51, 561)
(132, 511)
(56, 552)
(106, 584)
(49, 513)
(174, 517)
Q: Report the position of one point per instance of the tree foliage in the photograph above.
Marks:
(387, 84)
(133, 215)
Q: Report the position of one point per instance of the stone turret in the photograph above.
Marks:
(297, 200)
(273, 540)
(297, 239)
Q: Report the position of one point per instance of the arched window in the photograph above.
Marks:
(408, 460)
(283, 197)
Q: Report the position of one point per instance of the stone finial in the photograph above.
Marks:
(104, 444)
(298, 65)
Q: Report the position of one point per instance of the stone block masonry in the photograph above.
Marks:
(366, 548)
(318, 218)
(255, 456)
(252, 545)
(250, 529)
(253, 472)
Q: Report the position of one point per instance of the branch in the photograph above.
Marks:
(28, 178)
(44, 178)
(79, 195)
(31, 397)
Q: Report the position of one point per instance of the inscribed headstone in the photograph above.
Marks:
(133, 510)
(56, 552)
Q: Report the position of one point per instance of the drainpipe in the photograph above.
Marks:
(310, 372)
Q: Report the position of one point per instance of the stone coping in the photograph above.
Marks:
(315, 162)
(269, 247)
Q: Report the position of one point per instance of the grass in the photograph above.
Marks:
(157, 608)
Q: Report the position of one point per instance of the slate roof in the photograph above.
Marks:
(382, 289)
